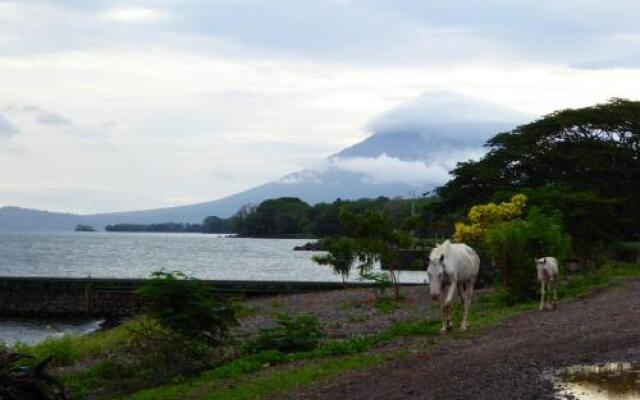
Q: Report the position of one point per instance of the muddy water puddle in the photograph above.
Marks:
(610, 381)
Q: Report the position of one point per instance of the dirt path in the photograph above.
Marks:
(506, 362)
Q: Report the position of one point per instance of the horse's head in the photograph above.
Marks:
(436, 269)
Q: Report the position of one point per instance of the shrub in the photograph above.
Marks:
(625, 251)
(302, 333)
(341, 254)
(186, 306)
(515, 244)
(380, 280)
(29, 381)
(60, 350)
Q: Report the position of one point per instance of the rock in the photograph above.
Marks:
(309, 246)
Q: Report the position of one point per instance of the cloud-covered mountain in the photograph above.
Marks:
(412, 146)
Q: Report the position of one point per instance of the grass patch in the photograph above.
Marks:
(387, 305)
(68, 350)
(212, 386)
(582, 285)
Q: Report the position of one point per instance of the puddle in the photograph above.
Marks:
(611, 381)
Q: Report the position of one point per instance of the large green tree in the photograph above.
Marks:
(592, 150)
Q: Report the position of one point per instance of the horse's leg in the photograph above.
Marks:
(555, 292)
(444, 309)
(467, 305)
(448, 301)
(541, 294)
(462, 290)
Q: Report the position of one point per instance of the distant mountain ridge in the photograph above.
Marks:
(420, 137)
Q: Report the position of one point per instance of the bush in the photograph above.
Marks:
(60, 350)
(302, 333)
(186, 306)
(23, 378)
(625, 251)
(341, 254)
(380, 280)
(515, 244)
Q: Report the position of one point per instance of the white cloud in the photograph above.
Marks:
(133, 14)
(6, 127)
(385, 169)
(163, 110)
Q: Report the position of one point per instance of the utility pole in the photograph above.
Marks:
(413, 202)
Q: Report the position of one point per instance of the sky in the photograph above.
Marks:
(125, 105)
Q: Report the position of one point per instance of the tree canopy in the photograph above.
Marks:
(592, 150)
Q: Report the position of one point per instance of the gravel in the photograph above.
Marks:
(515, 360)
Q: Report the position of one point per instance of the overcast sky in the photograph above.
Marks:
(108, 105)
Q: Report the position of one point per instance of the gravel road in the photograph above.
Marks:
(511, 361)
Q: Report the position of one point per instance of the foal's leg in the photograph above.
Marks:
(542, 281)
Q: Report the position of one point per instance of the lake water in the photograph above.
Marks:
(136, 255)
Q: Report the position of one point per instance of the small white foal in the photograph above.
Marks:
(547, 268)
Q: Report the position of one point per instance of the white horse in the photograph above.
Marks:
(547, 268)
(452, 266)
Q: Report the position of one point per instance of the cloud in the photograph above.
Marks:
(422, 32)
(133, 14)
(6, 127)
(260, 88)
(53, 119)
(422, 126)
(444, 107)
(41, 115)
(384, 169)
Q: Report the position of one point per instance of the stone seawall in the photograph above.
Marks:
(115, 297)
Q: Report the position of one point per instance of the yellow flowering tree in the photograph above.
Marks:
(484, 217)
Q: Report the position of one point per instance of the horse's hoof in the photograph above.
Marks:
(463, 329)
(443, 331)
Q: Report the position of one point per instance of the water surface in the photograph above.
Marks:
(610, 381)
(135, 255)
(30, 331)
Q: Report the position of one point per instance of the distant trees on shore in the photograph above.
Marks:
(292, 217)
(163, 227)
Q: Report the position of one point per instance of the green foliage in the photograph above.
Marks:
(386, 305)
(514, 245)
(215, 224)
(186, 306)
(592, 151)
(302, 333)
(625, 251)
(591, 219)
(377, 240)
(269, 384)
(163, 227)
(22, 377)
(60, 350)
(291, 217)
(341, 255)
(380, 280)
